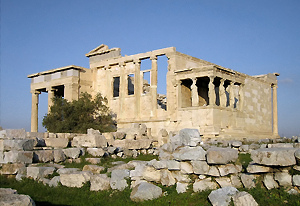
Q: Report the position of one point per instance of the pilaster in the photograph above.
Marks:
(275, 114)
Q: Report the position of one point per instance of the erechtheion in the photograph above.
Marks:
(217, 101)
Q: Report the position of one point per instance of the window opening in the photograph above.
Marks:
(146, 64)
(162, 70)
(226, 84)
(236, 91)
(217, 83)
(202, 87)
(186, 93)
(130, 81)
(146, 82)
(116, 87)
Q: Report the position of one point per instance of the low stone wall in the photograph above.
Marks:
(184, 160)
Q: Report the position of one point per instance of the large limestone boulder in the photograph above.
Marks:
(255, 168)
(248, 180)
(72, 152)
(190, 137)
(118, 179)
(54, 181)
(167, 177)
(274, 156)
(16, 199)
(229, 169)
(151, 174)
(145, 191)
(189, 153)
(180, 177)
(243, 199)
(222, 196)
(18, 156)
(283, 178)
(296, 180)
(181, 187)
(200, 167)
(57, 142)
(93, 168)
(216, 155)
(269, 181)
(43, 156)
(39, 172)
(11, 169)
(59, 155)
(204, 184)
(95, 152)
(74, 179)
(89, 141)
(99, 182)
(14, 144)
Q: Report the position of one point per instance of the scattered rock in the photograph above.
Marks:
(243, 198)
(222, 196)
(205, 184)
(274, 156)
(218, 155)
(145, 191)
(99, 182)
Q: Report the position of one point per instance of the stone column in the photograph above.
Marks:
(222, 94)
(50, 97)
(195, 96)
(122, 90)
(34, 110)
(231, 95)
(211, 92)
(275, 115)
(153, 86)
(71, 91)
(137, 87)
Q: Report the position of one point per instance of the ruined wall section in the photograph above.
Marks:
(258, 106)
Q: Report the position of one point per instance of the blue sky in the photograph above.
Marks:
(253, 37)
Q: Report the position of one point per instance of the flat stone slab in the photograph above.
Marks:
(216, 155)
(189, 153)
(145, 191)
(274, 156)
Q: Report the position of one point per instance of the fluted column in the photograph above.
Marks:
(275, 115)
(137, 87)
(211, 91)
(222, 93)
(34, 110)
(153, 86)
(195, 96)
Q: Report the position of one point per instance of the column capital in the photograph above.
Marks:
(35, 92)
(136, 61)
(153, 58)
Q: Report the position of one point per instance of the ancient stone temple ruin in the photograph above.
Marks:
(217, 101)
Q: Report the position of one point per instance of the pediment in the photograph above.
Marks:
(98, 50)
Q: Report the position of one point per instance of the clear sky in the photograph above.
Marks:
(253, 37)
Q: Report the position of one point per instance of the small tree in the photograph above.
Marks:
(79, 115)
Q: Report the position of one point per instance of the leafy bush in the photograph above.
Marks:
(79, 115)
